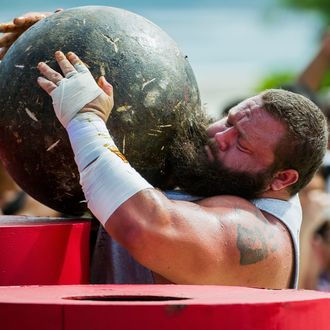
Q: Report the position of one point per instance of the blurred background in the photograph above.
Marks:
(235, 47)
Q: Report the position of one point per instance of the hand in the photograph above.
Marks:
(19, 25)
(71, 66)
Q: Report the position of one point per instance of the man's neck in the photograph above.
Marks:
(280, 194)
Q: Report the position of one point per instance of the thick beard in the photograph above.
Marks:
(194, 174)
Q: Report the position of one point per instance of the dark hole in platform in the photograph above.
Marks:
(127, 298)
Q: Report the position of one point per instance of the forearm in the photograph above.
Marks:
(82, 106)
(106, 177)
(314, 73)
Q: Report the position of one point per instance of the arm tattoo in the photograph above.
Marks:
(251, 244)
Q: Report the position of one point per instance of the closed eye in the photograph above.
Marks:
(242, 149)
(228, 123)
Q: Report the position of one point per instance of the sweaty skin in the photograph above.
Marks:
(219, 240)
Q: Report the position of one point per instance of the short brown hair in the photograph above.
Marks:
(304, 145)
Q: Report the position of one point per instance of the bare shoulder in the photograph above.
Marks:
(260, 245)
(221, 240)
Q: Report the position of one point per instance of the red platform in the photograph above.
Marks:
(160, 307)
(37, 250)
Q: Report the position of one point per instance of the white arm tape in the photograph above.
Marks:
(73, 93)
(106, 177)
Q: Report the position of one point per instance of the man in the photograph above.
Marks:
(216, 240)
(263, 143)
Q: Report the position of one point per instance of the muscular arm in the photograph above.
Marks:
(226, 240)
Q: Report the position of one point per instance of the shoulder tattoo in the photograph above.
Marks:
(251, 245)
(255, 243)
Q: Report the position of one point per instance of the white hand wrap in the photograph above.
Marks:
(106, 177)
(73, 93)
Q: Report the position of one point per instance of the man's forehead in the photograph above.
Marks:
(247, 105)
(254, 102)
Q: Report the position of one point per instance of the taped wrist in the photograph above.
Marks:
(106, 177)
(73, 93)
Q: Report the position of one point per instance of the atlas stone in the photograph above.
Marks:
(155, 93)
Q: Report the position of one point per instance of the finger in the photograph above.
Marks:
(4, 28)
(9, 27)
(47, 85)
(106, 87)
(64, 63)
(27, 21)
(22, 23)
(77, 62)
(49, 73)
(8, 39)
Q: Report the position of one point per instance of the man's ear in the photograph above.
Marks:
(283, 179)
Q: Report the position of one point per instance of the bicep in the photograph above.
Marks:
(174, 239)
(192, 244)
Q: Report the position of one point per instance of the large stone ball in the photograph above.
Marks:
(154, 88)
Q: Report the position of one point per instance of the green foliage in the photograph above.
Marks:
(326, 82)
(276, 80)
(279, 79)
(322, 6)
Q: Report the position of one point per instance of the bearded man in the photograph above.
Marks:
(265, 150)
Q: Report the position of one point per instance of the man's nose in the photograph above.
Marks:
(226, 138)
(218, 126)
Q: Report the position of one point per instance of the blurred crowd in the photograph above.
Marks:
(315, 197)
